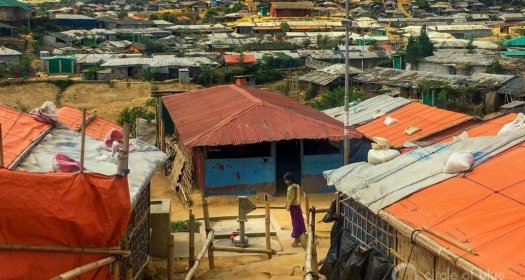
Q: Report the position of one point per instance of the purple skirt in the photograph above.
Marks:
(298, 227)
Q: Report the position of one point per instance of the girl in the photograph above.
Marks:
(293, 199)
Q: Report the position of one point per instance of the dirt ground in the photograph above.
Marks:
(284, 265)
(106, 100)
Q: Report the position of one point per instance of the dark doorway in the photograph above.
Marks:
(288, 158)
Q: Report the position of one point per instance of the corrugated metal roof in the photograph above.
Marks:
(406, 79)
(7, 51)
(304, 5)
(238, 58)
(429, 119)
(233, 115)
(96, 127)
(319, 77)
(488, 128)
(365, 111)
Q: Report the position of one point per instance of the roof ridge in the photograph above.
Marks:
(268, 105)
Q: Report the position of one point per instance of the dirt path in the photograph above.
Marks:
(285, 265)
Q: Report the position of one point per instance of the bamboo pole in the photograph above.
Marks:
(450, 240)
(115, 271)
(243, 250)
(83, 269)
(58, 249)
(171, 257)
(337, 204)
(191, 229)
(1, 148)
(83, 140)
(205, 247)
(207, 226)
(267, 225)
(307, 206)
(122, 166)
(310, 266)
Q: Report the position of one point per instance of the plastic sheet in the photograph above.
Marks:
(143, 162)
(377, 186)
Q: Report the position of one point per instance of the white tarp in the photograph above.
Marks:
(378, 186)
(142, 163)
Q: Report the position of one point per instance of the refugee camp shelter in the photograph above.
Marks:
(60, 64)
(244, 139)
(425, 121)
(463, 225)
(32, 147)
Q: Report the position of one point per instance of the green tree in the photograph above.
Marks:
(210, 14)
(422, 4)
(167, 16)
(470, 46)
(130, 115)
(153, 46)
(285, 27)
(154, 17)
(495, 67)
(335, 98)
(122, 14)
(427, 49)
(468, 69)
(412, 51)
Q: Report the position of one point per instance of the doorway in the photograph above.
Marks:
(288, 158)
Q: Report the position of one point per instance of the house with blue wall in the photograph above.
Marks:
(244, 139)
(75, 21)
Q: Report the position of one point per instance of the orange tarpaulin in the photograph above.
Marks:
(487, 128)
(19, 130)
(59, 209)
(96, 127)
(484, 209)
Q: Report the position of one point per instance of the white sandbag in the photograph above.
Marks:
(463, 135)
(378, 113)
(516, 124)
(147, 131)
(381, 156)
(389, 120)
(459, 162)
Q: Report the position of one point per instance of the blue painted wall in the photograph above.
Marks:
(316, 164)
(312, 168)
(240, 171)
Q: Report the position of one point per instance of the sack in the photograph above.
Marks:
(411, 130)
(459, 162)
(381, 156)
(516, 124)
(63, 163)
(389, 120)
(463, 135)
(46, 113)
(380, 143)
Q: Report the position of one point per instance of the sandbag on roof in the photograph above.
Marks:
(377, 187)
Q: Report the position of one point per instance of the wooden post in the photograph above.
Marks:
(83, 140)
(171, 257)
(306, 207)
(207, 226)
(1, 148)
(61, 249)
(83, 269)
(191, 229)
(129, 270)
(122, 166)
(337, 204)
(267, 225)
(243, 250)
(115, 271)
(310, 266)
(207, 246)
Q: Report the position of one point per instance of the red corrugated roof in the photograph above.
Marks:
(19, 131)
(429, 119)
(488, 128)
(484, 209)
(236, 58)
(96, 127)
(234, 115)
